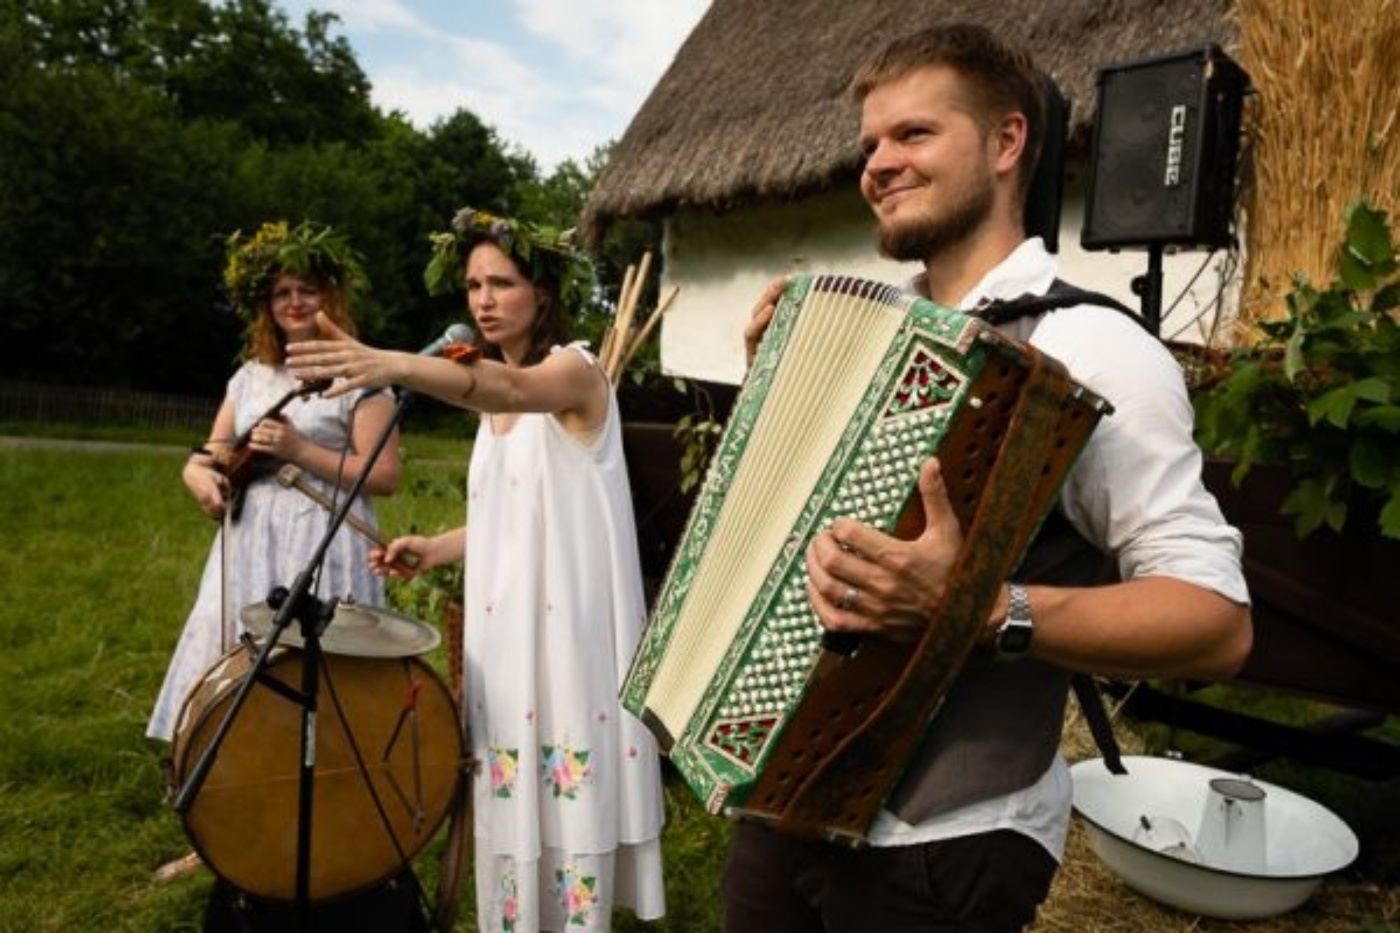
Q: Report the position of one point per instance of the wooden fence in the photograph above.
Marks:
(94, 406)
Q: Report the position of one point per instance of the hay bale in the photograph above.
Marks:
(1323, 131)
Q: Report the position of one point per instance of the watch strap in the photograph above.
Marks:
(1013, 637)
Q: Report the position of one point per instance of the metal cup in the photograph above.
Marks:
(1231, 835)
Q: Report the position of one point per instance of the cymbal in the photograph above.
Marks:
(356, 630)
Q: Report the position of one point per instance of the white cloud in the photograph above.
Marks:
(525, 106)
(613, 54)
(555, 77)
(620, 40)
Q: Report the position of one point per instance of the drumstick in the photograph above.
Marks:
(290, 476)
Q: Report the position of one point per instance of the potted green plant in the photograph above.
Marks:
(1320, 393)
(1303, 435)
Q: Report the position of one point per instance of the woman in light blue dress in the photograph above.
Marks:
(279, 280)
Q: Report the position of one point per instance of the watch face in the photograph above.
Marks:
(1014, 637)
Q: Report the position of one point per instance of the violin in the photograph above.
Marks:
(240, 463)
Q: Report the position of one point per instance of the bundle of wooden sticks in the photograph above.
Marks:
(622, 340)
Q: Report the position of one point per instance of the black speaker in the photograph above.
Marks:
(1166, 138)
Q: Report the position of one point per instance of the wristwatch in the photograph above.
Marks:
(1013, 638)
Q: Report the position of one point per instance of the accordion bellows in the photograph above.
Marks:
(855, 385)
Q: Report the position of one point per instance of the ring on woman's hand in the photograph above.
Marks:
(847, 602)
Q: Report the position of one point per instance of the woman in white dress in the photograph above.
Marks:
(278, 280)
(568, 805)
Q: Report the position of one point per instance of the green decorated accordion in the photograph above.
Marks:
(855, 385)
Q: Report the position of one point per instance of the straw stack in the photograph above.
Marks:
(622, 340)
(1325, 130)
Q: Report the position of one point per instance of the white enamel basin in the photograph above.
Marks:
(1142, 825)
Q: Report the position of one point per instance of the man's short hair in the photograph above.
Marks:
(1001, 78)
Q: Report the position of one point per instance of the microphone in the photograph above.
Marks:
(455, 333)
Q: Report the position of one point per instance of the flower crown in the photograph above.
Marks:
(308, 250)
(545, 252)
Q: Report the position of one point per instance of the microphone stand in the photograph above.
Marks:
(297, 603)
(1148, 287)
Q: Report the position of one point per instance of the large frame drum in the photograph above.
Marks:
(388, 759)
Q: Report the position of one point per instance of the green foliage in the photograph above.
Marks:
(646, 394)
(443, 494)
(107, 206)
(1320, 393)
(546, 252)
(699, 434)
(136, 135)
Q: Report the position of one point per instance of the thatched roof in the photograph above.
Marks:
(755, 104)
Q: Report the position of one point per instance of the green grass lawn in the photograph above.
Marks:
(103, 556)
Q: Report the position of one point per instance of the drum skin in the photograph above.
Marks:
(388, 759)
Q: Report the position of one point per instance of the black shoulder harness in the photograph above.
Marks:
(1060, 295)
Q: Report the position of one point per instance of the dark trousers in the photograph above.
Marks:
(990, 883)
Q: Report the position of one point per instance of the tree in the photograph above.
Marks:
(242, 62)
(130, 135)
(136, 135)
(105, 206)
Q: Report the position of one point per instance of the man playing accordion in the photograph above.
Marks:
(951, 124)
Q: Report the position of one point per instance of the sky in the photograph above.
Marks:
(555, 78)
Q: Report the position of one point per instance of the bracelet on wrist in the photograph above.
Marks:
(462, 351)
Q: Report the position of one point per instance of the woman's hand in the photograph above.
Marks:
(432, 552)
(340, 357)
(207, 485)
(387, 561)
(278, 438)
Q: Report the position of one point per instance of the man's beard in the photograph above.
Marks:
(926, 237)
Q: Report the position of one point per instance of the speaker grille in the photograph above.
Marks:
(1166, 137)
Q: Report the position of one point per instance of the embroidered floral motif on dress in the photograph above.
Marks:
(577, 893)
(565, 770)
(504, 763)
(507, 901)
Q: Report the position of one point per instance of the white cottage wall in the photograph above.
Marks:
(722, 261)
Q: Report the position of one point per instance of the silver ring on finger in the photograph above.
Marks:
(848, 599)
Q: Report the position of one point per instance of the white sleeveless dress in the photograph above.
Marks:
(568, 804)
(276, 533)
